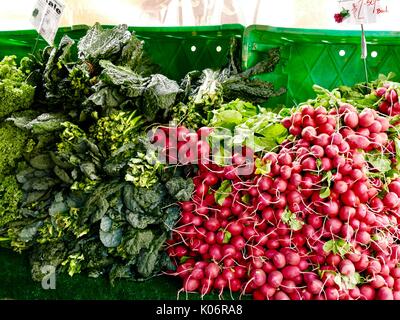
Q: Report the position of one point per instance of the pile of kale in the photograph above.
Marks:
(79, 189)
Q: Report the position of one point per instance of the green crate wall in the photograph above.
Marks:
(177, 50)
(329, 58)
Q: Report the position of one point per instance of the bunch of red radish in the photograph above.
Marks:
(318, 226)
(390, 104)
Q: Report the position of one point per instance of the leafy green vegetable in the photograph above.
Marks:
(12, 146)
(291, 220)
(15, 93)
(339, 246)
(262, 168)
(99, 44)
(223, 192)
(379, 161)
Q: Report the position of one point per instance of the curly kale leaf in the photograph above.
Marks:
(181, 189)
(12, 146)
(10, 200)
(15, 93)
(149, 94)
(110, 233)
(45, 123)
(148, 261)
(159, 94)
(99, 43)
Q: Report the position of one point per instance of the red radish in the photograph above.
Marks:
(275, 279)
(290, 272)
(366, 118)
(317, 151)
(385, 294)
(309, 133)
(281, 296)
(215, 252)
(285, 172)
(191, 284)
(197, 274)
(322, 140)
(340, 187)
(380, 92)
(307, 110)
(212, 224)
(346, 107)
(377, 205)
(332, 293)
(257, 295)
(349, 198)
(351, 119)
(384, 123)
(394, 186)
(364, 132)
(292, 258)
(279, 260)
(267, 290)
(331, 151)
(326, 164)
(309, 164)
(357, 141)
(374, 267)
(346, 213)
(367, 292)
(391, 200)
(288, 286)
(333, 259)
(220, 283)
(375, 127)
(315, 286)
(363, 237)
(391, 96)
(347, 268)
(259, 277)
(287, 122)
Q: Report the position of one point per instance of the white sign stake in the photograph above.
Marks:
(46, 17)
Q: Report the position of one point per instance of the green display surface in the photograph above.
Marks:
(329, 58)
(16, 283)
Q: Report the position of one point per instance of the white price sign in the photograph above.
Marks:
(363, 11)
(46, 17)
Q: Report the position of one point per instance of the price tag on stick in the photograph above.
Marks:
(360, 12)
(46, 17)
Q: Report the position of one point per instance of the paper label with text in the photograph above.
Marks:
(363, 11)
(46, 17)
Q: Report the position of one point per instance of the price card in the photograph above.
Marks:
(363, 11)
(46, 17)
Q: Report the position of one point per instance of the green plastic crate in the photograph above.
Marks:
(329, 58)
(177, 50)
(23, 42)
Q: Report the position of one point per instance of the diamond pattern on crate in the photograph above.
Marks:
(179, 56)
(390, 62)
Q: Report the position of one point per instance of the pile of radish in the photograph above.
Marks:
(390, 104)
(322, 224)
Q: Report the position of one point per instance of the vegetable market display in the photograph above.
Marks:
(80, 190)
(278, 204)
